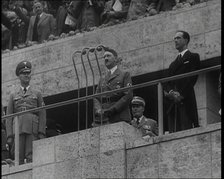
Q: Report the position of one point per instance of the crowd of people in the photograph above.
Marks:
(25, 23)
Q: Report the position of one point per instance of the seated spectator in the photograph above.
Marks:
(147, 126)
(141, 7)
(41, 25)
(115, 11)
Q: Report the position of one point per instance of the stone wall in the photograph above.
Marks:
(194, 153)
(145, 45)
(118, 151)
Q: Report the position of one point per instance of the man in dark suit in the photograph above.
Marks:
(41, 26)
(182, 110)
(31, 125)
(113, 107)
(147, 126)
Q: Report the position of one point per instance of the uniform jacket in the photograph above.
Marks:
(118, 79)
(146, 125)
(45, 27)
(185, 86)
(30, 123)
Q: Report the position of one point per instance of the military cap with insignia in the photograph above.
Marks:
(24, 66)
(138, 100)
(107, 49)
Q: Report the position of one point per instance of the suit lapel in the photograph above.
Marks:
(20, 91)
(186, 55)
(42, 18)
(116, 73)
(175, 65)
(142, 122)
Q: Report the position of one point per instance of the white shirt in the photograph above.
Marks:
(183, 52)
(112, 70)
(140, 119)
(26, 87)
(41, 14)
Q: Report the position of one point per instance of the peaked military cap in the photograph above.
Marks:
(24, 66)
(107, 49)
(138, 100)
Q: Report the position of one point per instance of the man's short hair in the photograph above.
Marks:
(185, 35)
(107, 49)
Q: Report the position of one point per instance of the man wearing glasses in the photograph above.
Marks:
(31, 125)
(182, 106)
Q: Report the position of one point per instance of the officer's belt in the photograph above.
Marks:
(110, 99)
(24, 109)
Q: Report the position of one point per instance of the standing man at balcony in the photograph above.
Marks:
(31, 125)
(112, 108)
(41, 25)
(182, 109)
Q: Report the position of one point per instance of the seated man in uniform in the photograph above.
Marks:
(113, 107)
(147, 126)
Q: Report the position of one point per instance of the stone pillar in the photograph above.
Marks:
(208, 99)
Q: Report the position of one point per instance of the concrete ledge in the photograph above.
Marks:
(174, 136)
(6, 170)
(193, 154)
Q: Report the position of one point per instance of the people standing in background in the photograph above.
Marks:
(41, 25)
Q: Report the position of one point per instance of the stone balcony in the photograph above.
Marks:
(118, 151)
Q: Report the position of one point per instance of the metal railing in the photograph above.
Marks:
(157, 82)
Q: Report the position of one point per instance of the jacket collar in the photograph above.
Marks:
(116, 73)
(42, 17)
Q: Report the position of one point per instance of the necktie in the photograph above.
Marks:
(137, 122)
(35, 34)
(179, 57)
(24, 90)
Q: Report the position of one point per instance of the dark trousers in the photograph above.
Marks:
(178, 119)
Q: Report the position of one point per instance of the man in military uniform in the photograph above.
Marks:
(31, 125)
(113, 107)
(147, 126)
